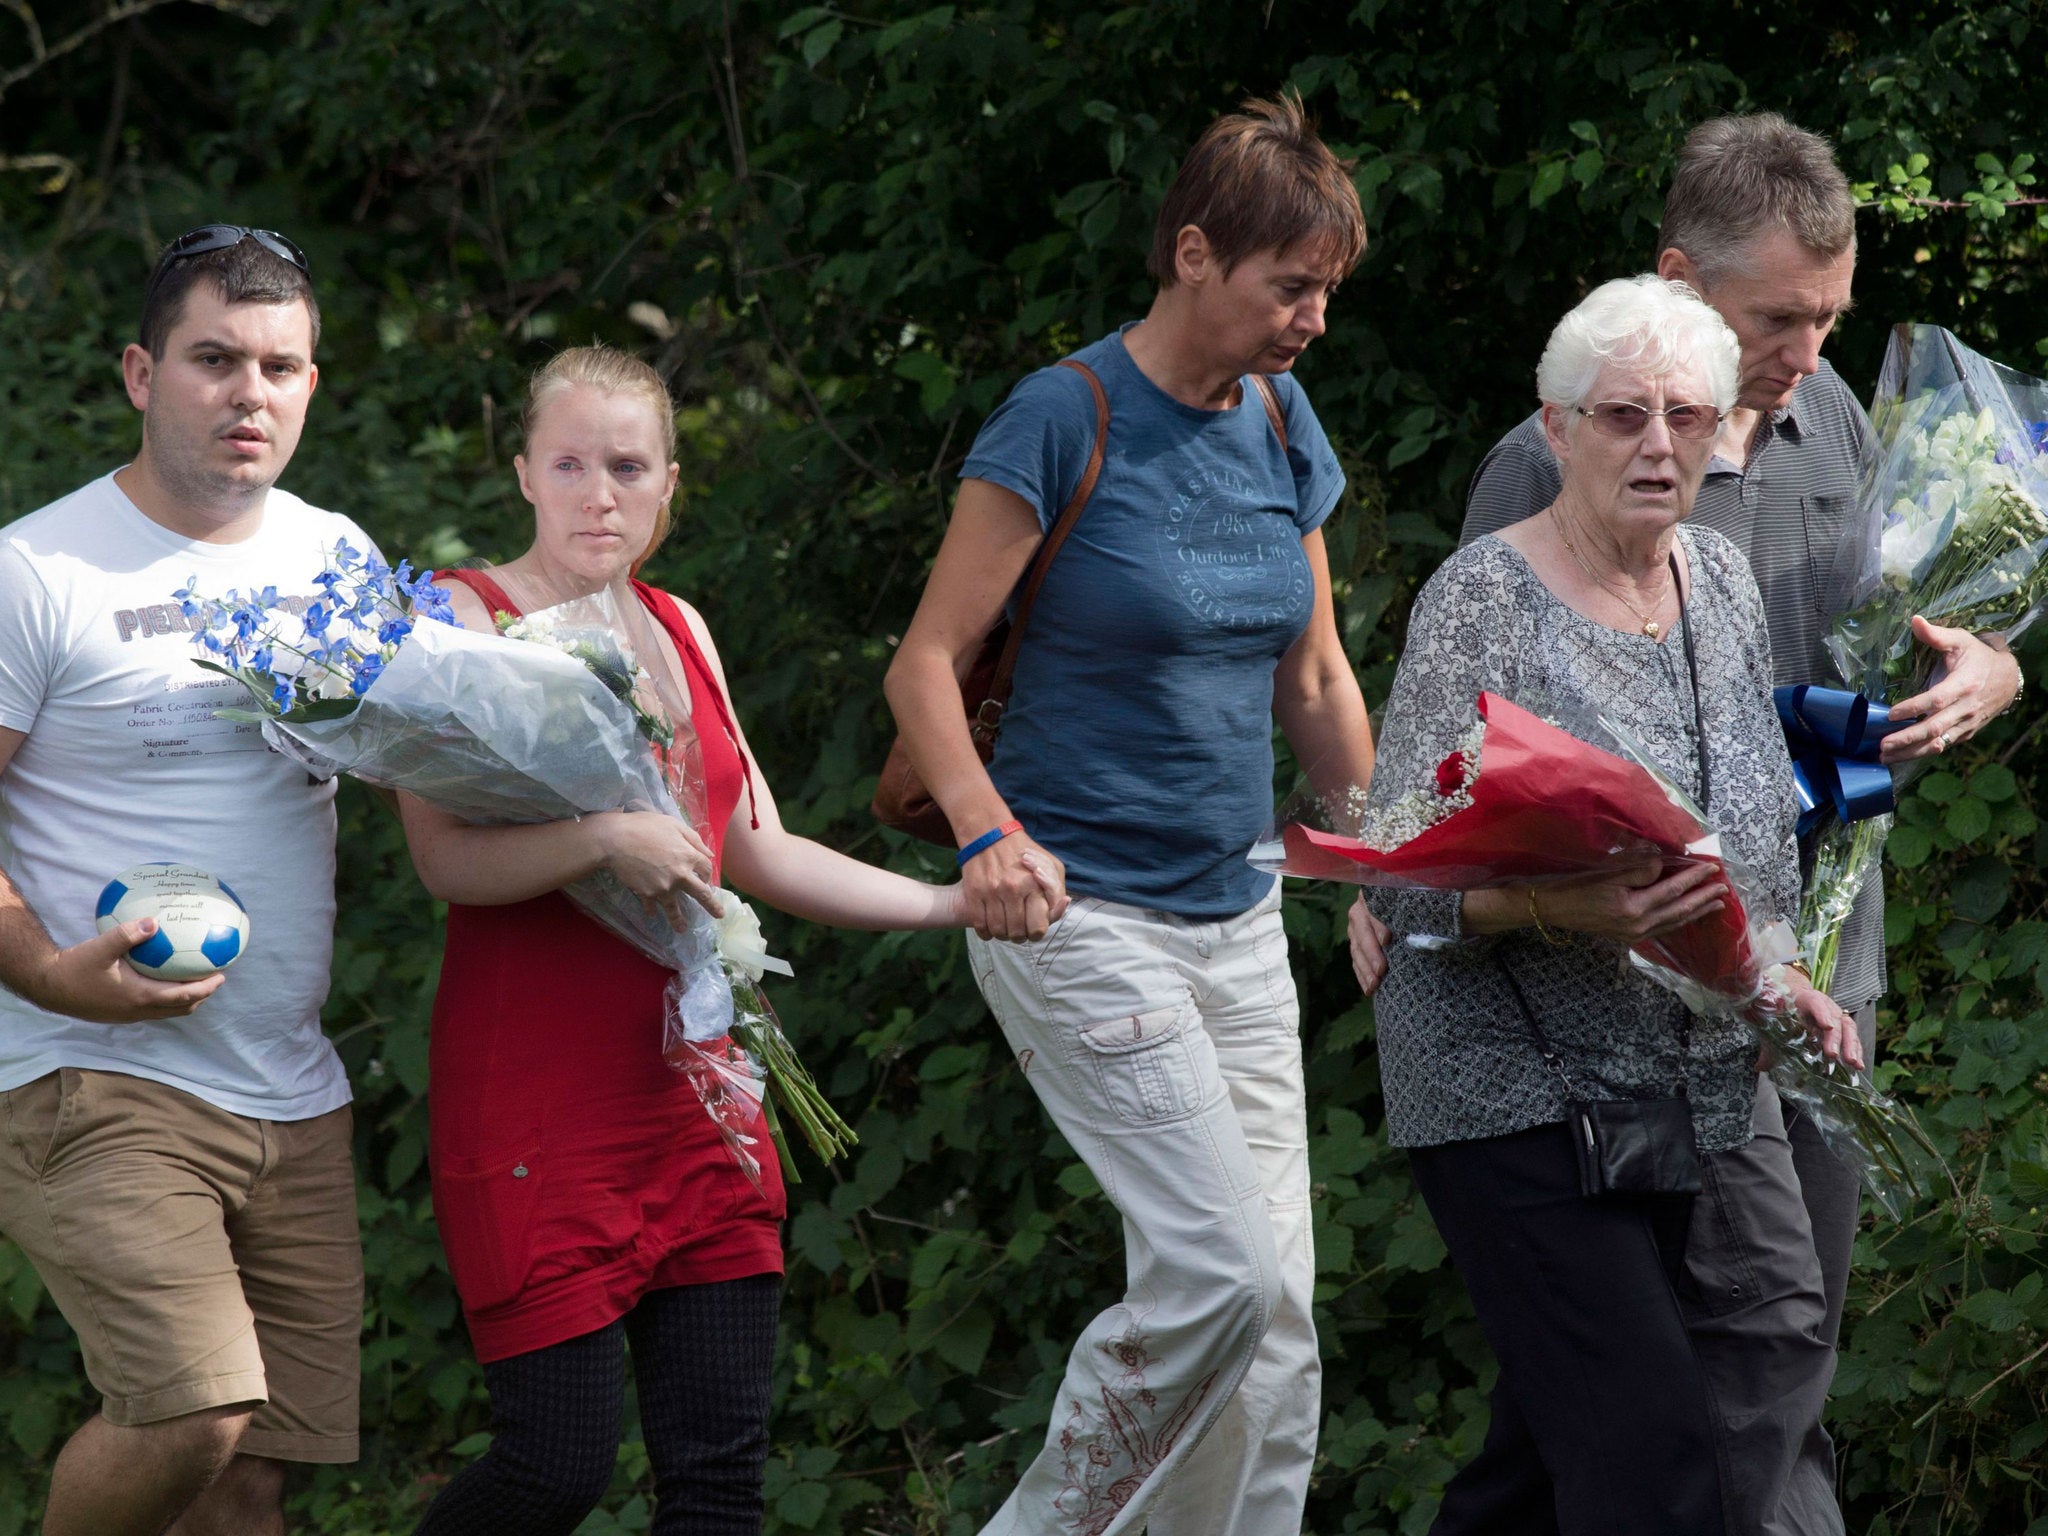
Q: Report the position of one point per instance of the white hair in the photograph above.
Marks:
(1645, 322)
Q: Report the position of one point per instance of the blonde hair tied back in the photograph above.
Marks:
(612, 372)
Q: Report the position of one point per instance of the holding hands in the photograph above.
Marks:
(1012, 890)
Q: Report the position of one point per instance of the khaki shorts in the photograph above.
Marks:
(203, 1259)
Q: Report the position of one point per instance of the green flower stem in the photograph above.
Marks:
(1847, 859)
(791, 1088)
(1886, 1131)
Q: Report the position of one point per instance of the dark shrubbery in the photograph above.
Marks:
(845, 232)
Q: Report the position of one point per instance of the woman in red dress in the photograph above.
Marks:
(585, 1199)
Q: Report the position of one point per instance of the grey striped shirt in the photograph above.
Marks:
(1788, 510)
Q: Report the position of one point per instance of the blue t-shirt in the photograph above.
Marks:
(1138, 741)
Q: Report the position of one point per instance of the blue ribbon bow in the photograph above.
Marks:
(1834, 737)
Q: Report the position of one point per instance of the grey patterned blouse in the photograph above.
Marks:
(1457, 1060)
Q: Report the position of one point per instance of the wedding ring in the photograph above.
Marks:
(1941, 740)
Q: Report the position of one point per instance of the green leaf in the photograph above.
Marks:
(2030, 1181)
(803, 19)
(1100, 222)
(820, 41)
(933, 374)
(1978, 893)
(1992, 1309)
(1908, 846)
(951, 1061)
(1968, 819)
(803, 1505)
(1415, 1244)
(1993, 782)
(963, 1344)
(33, 1424)
(1940, 786)
(1424, 184)
(1334, 1244)
(815, 1235)
(1079, 1181)
(1550, 176)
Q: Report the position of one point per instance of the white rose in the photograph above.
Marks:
(740, 940)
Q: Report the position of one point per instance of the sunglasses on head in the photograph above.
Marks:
(1620, 418)
(218, 237)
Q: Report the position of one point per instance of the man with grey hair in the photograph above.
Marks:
(1759, 220)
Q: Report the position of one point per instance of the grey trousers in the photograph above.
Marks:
(1767, 1267)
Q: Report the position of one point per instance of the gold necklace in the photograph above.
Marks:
(1648, 620)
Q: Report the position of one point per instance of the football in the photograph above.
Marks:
(201, 925)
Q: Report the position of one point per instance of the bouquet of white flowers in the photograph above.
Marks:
(1954, 527)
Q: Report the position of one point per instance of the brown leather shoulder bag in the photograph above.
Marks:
(901, 799)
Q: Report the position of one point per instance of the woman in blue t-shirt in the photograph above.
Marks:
(1156, 1018)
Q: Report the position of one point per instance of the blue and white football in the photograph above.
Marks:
(201, 925)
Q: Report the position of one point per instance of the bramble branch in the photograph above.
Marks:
(41, 51)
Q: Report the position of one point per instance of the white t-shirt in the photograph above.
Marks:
(125, 764)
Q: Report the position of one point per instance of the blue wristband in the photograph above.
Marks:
(986, 841)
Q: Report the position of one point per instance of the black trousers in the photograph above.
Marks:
(1602, 1421)
(702, 1358)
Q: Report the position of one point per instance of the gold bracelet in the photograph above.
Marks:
(1537, 918)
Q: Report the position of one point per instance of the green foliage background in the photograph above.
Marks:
(844, 233)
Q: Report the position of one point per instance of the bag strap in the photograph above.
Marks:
(989, 714)
(1692, 668)
(1271, 396)
(1543, 1046)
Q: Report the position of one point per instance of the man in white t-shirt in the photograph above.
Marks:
(174, 1158)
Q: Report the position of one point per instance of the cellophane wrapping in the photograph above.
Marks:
(1542, 805)
(1952, 524)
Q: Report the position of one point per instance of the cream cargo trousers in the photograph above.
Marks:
(1168, 1052)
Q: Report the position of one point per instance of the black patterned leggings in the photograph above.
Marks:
(702, 1356)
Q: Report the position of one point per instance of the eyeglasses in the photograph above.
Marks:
(1621, 418)
(218, 237)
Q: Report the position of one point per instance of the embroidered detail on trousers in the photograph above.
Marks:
(1119, 1460)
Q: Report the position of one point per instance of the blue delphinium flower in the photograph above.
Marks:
(330, 636)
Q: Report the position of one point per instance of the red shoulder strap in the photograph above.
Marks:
(493, 595)
(670, 614)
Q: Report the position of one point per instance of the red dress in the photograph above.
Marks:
(574, 1170)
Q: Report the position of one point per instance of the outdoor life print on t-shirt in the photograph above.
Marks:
(1234, 561)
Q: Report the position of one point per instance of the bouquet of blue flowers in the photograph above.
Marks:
(554, 718)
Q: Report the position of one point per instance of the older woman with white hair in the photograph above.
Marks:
(1520, 1002)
